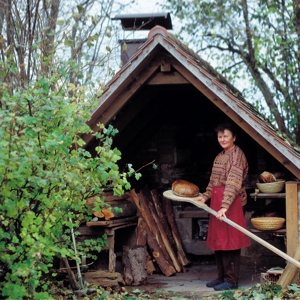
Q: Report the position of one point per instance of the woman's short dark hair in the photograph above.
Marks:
(229, 126)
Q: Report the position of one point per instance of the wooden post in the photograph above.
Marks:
(292, 216)
(111, 246)
(290, 273)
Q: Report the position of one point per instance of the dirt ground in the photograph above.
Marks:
(193, 280)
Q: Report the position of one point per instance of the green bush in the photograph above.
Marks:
(45, 178)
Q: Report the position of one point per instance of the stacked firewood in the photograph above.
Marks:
(157, 230)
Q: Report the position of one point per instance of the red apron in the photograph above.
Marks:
(222, 236)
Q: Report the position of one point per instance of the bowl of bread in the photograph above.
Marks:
(269, 184)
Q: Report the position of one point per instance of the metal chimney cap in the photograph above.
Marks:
(144, 21)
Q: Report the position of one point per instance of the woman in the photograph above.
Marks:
(228, 196)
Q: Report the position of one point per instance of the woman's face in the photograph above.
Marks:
(226, 139)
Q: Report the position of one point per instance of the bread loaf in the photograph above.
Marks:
(184, 188)
(267, 177)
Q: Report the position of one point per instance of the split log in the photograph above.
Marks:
(164, 237)
(141, 233)
(150, 217)
(168, 209)
(150, 264)
(162, 262)
(159, 210)
(142, 241)
(134, 262)
(166, 227)
(104, 278)
(153, 236)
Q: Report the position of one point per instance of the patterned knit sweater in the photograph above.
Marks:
(230, 170)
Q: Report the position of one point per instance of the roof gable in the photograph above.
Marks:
(157, 55)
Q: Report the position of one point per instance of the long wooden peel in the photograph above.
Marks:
(170, 195)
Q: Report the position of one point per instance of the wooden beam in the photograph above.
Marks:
(292, 217)
(167, 78)
(165, 65)
(114, 223)
(236, 118)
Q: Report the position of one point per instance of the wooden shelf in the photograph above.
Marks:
(195, 214)
(254, 230)
(264, 196)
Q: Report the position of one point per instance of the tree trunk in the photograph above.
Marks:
(134, 263)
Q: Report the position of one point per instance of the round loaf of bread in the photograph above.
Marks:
(184, 188)
(267, 177)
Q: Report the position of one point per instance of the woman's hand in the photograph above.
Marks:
(221, 213)
(201, 199)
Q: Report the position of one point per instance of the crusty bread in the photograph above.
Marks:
(267, 177)
(184, 188)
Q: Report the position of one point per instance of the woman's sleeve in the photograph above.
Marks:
(235, 178)
(209, 188)
(208, 192)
